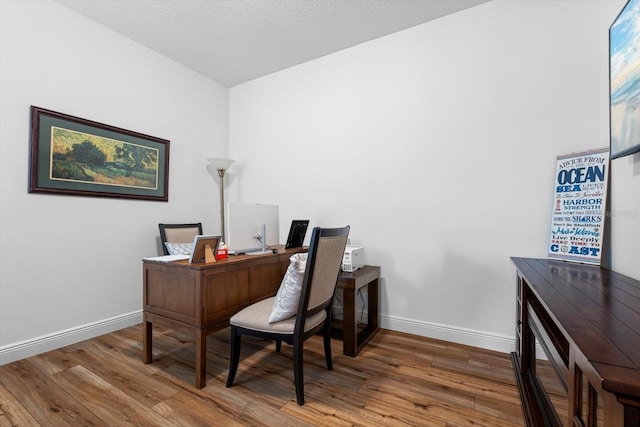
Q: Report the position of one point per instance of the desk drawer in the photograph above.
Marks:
(171, 294)
(224, 293)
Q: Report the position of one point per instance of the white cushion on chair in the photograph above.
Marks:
(179, 248)
(285, 304)
(256, 317)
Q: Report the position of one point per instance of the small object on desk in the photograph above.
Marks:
(204, 249)
(223, 252)
(297, 231)
(353, 258)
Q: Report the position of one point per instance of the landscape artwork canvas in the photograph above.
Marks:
(79, 156)
(75, 156)
(624, 64)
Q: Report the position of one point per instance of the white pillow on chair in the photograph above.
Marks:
(179, 248)
(288, 296)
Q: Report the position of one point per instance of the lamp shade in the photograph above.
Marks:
(220, 164)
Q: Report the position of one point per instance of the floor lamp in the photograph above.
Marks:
(221, 165)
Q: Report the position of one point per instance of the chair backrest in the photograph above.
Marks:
(324, 259)
(178, 233)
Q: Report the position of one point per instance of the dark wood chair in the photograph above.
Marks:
(314, 308)
(178, 233)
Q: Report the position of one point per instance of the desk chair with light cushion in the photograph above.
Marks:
(178, 235)
(277, 319)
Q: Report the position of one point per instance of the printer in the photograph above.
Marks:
(353, 258)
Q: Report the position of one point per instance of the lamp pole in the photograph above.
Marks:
(221, 166)
(221, 173)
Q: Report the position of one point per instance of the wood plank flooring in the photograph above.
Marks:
(397, 380)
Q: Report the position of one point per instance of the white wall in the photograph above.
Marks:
(70, 267)
(438, 146)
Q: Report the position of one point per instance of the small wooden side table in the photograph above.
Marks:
(354, 338)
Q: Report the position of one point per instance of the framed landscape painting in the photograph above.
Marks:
(74, 156)
(624, 68)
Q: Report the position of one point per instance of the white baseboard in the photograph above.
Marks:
(21, 350)
(500, 343)
(24, 349)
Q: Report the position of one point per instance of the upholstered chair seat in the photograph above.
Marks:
(256, 317)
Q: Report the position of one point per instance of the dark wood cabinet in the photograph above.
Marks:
(577, 358)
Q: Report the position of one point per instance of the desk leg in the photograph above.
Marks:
(147, 340)
(201, 358)
(349, 324)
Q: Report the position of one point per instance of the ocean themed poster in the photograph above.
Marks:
(579, 207)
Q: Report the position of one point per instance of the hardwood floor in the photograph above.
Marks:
(397, 380)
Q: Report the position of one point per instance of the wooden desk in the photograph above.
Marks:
(587, 321)
(353, 339)
(203, 297)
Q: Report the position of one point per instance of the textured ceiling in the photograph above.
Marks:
(234, 41)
